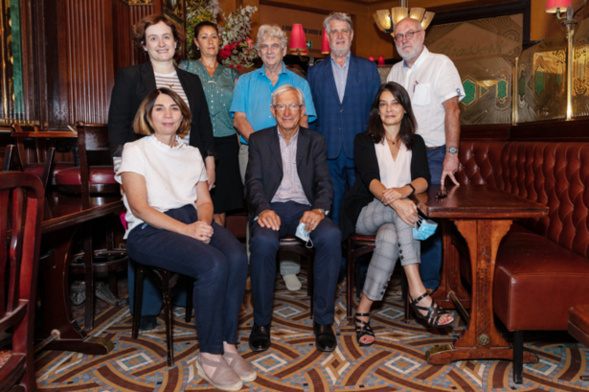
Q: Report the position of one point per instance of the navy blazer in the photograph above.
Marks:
(131, 87)
(341, 122)
(264, 170)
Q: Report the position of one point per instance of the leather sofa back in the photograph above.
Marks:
(551, 173)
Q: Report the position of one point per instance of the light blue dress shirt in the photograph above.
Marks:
(253, 96)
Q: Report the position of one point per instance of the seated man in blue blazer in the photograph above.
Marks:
(286, 184)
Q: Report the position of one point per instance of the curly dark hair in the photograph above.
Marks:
(408, 124)
(143, 24)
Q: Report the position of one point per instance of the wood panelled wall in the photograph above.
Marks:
(76, 47)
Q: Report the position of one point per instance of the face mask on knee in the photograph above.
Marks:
(303, 235)
(424, 228)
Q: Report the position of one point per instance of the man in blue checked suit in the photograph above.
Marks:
(343, 88)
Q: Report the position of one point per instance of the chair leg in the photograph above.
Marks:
(350, 281)
(310, 279)
(189, 302)
(167, 300)
(518, 356)
(139, 273)
(88, 277)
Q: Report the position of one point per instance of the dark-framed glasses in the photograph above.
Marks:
(409, 35)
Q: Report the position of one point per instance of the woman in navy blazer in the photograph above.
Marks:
(158, 36)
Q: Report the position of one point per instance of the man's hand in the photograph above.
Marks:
(450, 168)
(311, 219)
(269, 219)
(200, 230)
(407, 211)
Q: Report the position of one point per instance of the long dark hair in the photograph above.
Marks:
(408, 124)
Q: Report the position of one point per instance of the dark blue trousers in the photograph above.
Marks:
(343, 174)
(431, 249)
(219, 269)
(264, 246)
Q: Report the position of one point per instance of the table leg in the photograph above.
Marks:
(450, 281)
(57, 329)
(481, 340)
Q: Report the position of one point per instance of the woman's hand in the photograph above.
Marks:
(406, 209)
(200, 230)
(389, 195)
(210, 167)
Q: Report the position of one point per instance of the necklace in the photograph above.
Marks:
(392, 142)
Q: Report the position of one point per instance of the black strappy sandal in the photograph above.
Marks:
(364, 329)
(433, 312)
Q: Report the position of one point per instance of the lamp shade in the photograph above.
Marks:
(325, 49)
(298, 43)
(553, 5)
(380, 60)
(370, 58)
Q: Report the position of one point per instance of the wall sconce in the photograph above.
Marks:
(298, 42)
(386, 20)
(568, 20)
(325, 49)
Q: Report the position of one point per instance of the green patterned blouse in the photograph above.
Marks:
(219, 93)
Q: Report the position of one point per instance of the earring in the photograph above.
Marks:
(197, 48)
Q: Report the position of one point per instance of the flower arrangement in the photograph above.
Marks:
(236, 48)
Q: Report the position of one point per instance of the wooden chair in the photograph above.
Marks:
(295, 245)
(359, 245)
(94, 177)
(21, 213)
(166, 281)
(33, 160)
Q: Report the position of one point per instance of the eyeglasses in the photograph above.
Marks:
(293, 107)
(441, 194)
(409, 35)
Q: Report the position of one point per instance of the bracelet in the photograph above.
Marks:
(412, 189)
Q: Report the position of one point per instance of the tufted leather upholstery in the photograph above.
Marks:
(542, 266)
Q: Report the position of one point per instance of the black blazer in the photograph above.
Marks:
(367, 170)
(264, 169)
(132, 85)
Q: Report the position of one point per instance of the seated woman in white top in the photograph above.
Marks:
(391, 161)
(169, 214)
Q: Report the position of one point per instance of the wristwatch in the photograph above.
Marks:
(321, 210)
(452, 150)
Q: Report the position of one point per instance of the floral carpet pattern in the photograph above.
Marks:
(395, 363)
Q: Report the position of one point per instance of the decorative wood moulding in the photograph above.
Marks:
(137, 2)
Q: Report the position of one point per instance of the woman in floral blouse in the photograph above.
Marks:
(218, 82)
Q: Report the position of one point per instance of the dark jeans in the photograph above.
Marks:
(431, 249)
(264, 246)
(219, 267)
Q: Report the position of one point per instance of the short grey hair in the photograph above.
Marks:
(266, 32)
(286, 88)
(341, 16)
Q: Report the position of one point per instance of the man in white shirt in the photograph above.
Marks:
(435, 88)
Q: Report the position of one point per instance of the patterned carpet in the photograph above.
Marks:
(395, 363)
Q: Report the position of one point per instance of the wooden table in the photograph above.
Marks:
(57, 328)
(482, 215)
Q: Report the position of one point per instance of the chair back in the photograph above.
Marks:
(21, 212)
(26, 153)
(94, 150)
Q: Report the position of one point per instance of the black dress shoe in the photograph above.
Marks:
(260, 338)
(324, 337)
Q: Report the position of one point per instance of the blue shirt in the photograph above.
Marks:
(340, 75)
(253, 96)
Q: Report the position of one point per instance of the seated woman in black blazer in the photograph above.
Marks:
(392, 165)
